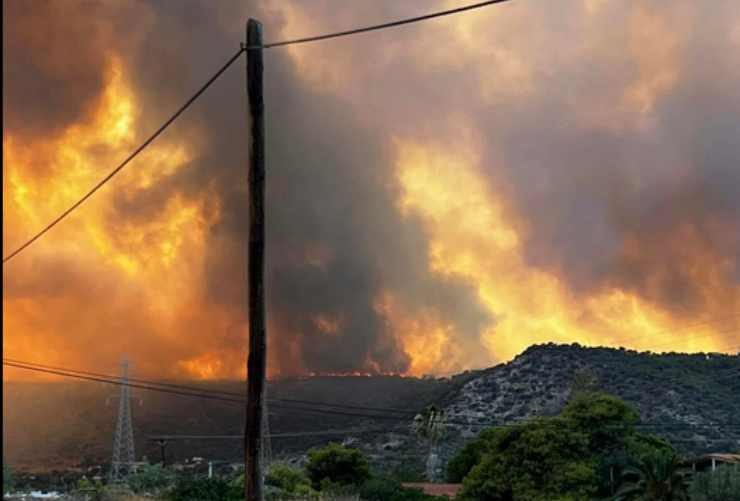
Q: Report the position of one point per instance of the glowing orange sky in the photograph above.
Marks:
(143, 291)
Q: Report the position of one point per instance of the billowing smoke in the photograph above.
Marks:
(439, 195)
(336, 238)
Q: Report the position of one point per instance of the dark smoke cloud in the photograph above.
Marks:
(591, 179)
(607, 197)
(648, 186)
(328, 178)
(328, 188)
(54, 55)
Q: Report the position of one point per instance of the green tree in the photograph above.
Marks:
(610, 425)
(720, 485)
(150, 477)
(468, 456)
(641, 444)
(542, 460)
(607, 420)
(655, 477)
(599, 440)
(337, 464)
(7, 478)
(287, 479)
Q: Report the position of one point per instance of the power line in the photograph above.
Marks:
(347, 414)
(135, 380)
(120, 382)
(205, 392)
(203, 395)
(376, 27)
(198, 391)
(213, 79)
(128, 159)
(345, 406)
(274, 435)
(201, 389)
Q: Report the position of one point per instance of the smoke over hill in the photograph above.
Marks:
(440, 196)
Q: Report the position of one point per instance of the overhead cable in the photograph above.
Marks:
(128, 159)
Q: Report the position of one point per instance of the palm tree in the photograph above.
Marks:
(656, 477)
(430, 426)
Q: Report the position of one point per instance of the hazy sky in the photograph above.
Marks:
(441, 195)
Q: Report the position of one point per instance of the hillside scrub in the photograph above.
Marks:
(690, 400)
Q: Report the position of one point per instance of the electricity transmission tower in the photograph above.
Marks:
(122, 464)
(266, 444)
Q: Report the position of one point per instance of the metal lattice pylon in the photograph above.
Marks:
(266, 443)
(122, 464)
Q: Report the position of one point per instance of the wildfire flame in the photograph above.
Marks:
(471, 237)
(142, 279)
(155, 260)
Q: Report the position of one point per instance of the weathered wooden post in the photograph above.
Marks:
(256, 363)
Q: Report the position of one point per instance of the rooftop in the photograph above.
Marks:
(449, 490)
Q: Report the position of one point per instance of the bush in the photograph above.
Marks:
(720, 485)
(579, 454)
(607, 419)
(379, 489)
(113, 492)
(287, 479)
(409, 473)
(150, 477)
(280, 485)
(85, 485)
(538, 461)
(205, 489)
(337, 464)
(7, 479)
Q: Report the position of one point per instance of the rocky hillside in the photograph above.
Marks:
(693, 400)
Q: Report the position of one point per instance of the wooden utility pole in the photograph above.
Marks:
(256, 364)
